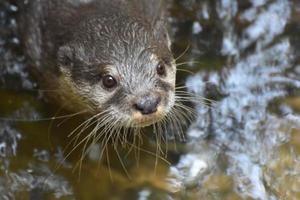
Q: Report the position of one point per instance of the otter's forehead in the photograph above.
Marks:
(138, 71)
(129, 50)
(113, 37)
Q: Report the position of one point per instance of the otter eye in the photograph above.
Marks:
(108, 81)
(161, 69)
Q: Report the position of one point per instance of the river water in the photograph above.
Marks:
(243, 144)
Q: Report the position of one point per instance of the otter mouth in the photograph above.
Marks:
(142, 120)
(145, 122)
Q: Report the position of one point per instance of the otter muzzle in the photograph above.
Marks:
(147, 104)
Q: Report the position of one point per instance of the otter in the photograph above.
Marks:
(106, 57)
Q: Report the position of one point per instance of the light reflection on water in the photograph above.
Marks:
(243, 133)
(243, 146)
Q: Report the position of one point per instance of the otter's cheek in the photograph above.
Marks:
(170, 101)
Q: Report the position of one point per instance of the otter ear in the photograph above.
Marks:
(65, 56)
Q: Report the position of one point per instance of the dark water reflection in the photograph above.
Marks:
(245, 145)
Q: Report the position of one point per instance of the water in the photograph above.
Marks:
(247, 129)
(244, 145)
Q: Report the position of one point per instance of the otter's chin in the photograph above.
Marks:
(140, 120)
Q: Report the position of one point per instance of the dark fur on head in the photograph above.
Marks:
(123, 42)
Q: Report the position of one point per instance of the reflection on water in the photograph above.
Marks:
(240, 132)
(244, 145)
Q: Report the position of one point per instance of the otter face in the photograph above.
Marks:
(128, 78)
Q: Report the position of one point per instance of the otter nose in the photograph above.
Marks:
(147, 104)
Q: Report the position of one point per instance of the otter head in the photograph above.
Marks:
(121, 68)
